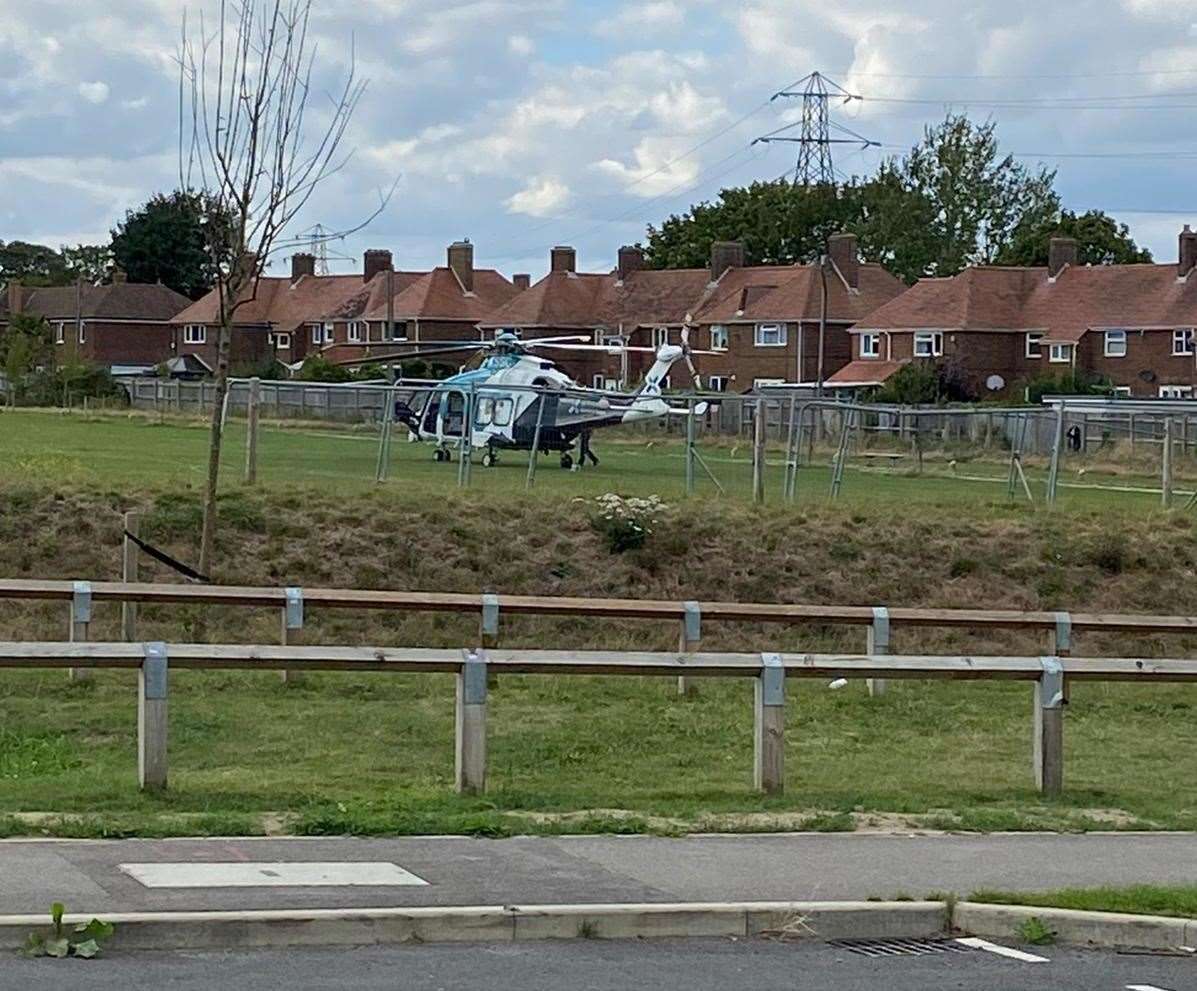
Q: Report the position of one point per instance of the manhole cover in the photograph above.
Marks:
(899, 947)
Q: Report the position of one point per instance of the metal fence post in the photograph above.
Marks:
(129, 569)
(877, 642)
(251, 432)
(1166, 466)
(470, 724)
(758, 452)
(690, 448)
(1049, 728)
(80, 621)
(535, 452)
(152, 718)
(688, 643)
(465, 450)
(769, 700)
(1053, 475)
(292, 622)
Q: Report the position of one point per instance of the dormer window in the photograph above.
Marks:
(870, 345)
(770, 335)
(195, 333)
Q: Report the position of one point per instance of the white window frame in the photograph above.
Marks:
(762, 330)
(82, 332)
(329, 336)
(356, 327)
(195, 333)
(874, 351)
(60, 332)
(660, 337)
(1034, 345)
(282, 342)
(1182, 341)
(610, 383)
(1112, 337)
(597, 381)
(317, 333)
(1176, 392)
(765, 382)
(1122, 391)
(1059, 354)
(717, 383)
(934, 341)
(504, 407)
(720, 338)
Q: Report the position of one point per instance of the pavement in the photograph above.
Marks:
(87, 876)
(588, 965)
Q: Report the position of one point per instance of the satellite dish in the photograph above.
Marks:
(1147, 375)
(995, 382)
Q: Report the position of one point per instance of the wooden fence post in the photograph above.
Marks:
(877, 642)
(152, 718)
(292, 617)
(1166, 466)
(769, 735)
(80, 621)
(470, 725)
(129, 570)
(251, 432)
(688, 643)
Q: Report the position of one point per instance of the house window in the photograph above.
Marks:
(717, 383)
(928, 344)
(660, 337)
(60, 332)
(1182, 341)
(1115, 343)
(1060, 354)
(1034, 346)
(770, 335)
(317, 334)
(282, 342)
(82, 332)
(870, 345)
(597, 381)
(1122, 392)
(765, 383)
(195, 333)
(612, 341)
(328, 333)
(1176, 392)
(357, 331)
(718, 338)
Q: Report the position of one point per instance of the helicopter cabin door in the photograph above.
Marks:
(453, 414)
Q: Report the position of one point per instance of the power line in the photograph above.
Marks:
(1007, 76)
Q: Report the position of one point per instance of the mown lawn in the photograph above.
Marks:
(1141, 899)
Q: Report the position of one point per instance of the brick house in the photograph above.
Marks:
(345, 317)
(123, 327)
(1004, 326)
(759, 318)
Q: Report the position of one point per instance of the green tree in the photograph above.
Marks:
(167, 240)
(32, 264)
(90, 262)
(25, 347)
(1101, 240)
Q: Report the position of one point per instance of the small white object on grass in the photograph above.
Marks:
(839, 683)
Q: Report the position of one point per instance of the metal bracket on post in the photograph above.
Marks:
(1063, 632)
(692, 621)
(490, 615)
(773, 680)
(81, 603)
(473, 677)
(1051, 695)
(294, 608)
(155, 667)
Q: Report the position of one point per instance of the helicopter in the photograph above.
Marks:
(517, 399)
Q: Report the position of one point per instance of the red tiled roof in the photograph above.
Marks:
(438, 295)
(864, 372)
(655, 297)
(1081, 298)
(793, 292)
(119, 301)
(560, 299)
(280, 302)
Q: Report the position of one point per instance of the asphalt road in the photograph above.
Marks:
(86, 876)
(693, 965)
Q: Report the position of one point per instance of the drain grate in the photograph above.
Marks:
(899, 947)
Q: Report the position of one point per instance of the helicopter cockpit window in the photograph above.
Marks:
(486, 411)
(503, 408)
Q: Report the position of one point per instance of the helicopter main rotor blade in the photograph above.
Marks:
(606, 348)
(540, 341)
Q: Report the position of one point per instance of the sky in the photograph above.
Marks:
(520, 124)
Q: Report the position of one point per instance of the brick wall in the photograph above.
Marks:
(1148, 352)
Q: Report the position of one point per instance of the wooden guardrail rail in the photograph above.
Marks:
(770, 672)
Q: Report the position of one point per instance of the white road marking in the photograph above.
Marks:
(1001, 951)
(262, 875)
(1144, 987)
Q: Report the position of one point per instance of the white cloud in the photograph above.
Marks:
(96, 92)
(138, 104)
(521, 45)
(542, 197)
(639, 19)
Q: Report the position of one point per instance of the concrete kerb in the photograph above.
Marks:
(356, 927)
(1110, 930)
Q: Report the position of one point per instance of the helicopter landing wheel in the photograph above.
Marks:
(490, 459)
(567, 461)
(441, 454)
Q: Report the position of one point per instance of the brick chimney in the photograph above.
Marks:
(119, 276)
(1061, 251)
(563, 259)
(522, 281)
(375, 260)
(842, 250)
(301, 265)
(461, 260)
(1188, 252)
(16, 301)
(725, 255)
(631, 259)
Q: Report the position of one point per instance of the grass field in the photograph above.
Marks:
(136, 449)
(373, 753)
(1141, 899)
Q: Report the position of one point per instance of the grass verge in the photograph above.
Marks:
(1141, 899)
